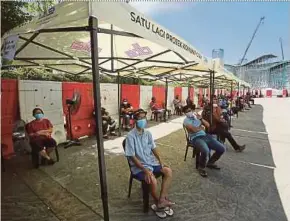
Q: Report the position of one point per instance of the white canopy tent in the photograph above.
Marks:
(128, 42)
(110, 37)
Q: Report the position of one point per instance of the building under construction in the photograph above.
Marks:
(263, 72)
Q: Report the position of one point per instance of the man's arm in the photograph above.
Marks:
(205, 123)
(156, 154)
(193, 129)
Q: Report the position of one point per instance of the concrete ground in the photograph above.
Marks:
(252, 185)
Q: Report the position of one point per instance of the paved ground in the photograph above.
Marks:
(245, 189)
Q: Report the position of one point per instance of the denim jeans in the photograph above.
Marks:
(205, 144)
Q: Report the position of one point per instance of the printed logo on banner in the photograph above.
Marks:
(138, 51)
(9, 49)
(47, 16)
(83, 46)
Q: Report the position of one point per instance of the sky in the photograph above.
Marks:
(227, 25)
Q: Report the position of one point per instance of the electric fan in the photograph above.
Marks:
(73, 106)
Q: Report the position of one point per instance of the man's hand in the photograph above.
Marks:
(198, 116)
(148, 175)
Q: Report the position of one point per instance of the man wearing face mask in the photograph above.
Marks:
(127, 113)
(39, 132)
(145, 160)
(195, 126)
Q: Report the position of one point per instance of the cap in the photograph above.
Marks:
(139, 111)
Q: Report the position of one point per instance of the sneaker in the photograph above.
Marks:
(50, 162)
(213, 166)
(202, 172)
(241, 148)
(113, 133)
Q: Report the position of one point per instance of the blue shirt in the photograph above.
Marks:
(195, 123)
(141, 145)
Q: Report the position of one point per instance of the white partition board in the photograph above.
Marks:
(46, 95)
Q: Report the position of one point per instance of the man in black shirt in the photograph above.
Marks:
(108, 124)
(126, 113)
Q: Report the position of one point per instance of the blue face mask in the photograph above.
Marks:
(141, 123)
(38, 116)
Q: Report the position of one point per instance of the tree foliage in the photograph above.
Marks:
(13, 15)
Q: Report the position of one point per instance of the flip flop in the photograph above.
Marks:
(159, 212)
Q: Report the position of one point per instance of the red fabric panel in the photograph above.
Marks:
(284, 92)
(207, 92)
(268, 93)
(200, 96)
(178, 91)
(191, 93)
(9, 113)
(159, 93)
(82, 122)
(132, 94)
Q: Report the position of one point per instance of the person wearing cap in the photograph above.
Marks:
(39, 132)
(204, 142)
(145, 160)
(126, 113)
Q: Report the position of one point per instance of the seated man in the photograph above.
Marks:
(145, 160)
(195, 126)
(220, 127)
(127, 113)
(177, 105)
(41, 142)
(108, 123)
(190, 103)
(156, 108)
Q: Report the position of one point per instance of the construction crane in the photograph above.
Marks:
(260, 22)
(281, 44)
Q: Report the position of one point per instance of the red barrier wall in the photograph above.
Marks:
(268, 93)
(191, 93)
(9, 113)
(159, 93)
(132, 94)
(178, 91)
(82, 122)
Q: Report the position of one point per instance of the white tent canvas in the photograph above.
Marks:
(128, 42)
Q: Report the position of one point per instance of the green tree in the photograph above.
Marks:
(13, 15)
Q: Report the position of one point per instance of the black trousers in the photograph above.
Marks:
(108, 124)
(222, 130)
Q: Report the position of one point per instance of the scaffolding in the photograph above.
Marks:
(264, 72)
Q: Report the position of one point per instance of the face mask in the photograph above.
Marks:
(125, 103)
(215, 105)
(38, 116)
(190, 114)
(141, 123)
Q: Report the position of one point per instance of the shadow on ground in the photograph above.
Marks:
(243, 190)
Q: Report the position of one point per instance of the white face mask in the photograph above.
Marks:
(125, 103)
(190, 114)
(215, 105)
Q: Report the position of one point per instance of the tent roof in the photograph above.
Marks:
(128, 42)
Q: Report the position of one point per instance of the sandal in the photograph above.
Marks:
(202, 172)
(158, 211)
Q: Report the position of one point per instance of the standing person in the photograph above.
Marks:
(127, 113)
(177, 105)
(145, 161)
(41, 142)
(195, 126)
(108, 124)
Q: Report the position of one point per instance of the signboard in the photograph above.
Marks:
(9, 49)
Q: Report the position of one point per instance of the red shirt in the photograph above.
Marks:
(37, 125)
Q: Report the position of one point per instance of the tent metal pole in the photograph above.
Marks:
(166, 97)
(211, 100)
(119, 103)
(93, 23)
(231, 104)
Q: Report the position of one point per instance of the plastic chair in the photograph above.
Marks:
(195, 152)
(145, 187)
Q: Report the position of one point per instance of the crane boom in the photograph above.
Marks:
(254, 34)
(281, 44)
